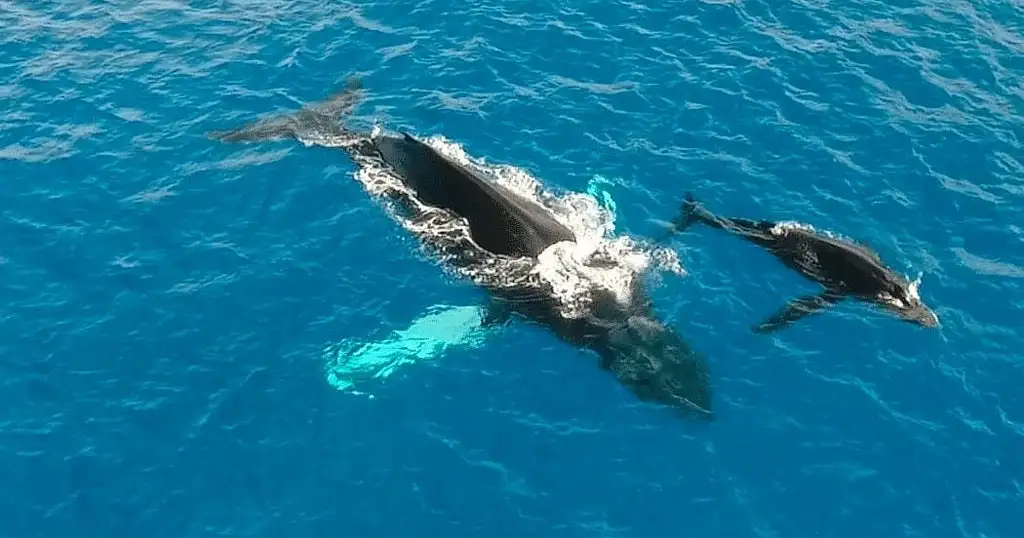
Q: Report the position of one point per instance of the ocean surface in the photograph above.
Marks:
(172, 305)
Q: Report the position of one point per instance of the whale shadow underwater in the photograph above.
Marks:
(844, 268)
(503, 228)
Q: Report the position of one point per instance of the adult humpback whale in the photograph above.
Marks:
(499, 238)
(842, 267)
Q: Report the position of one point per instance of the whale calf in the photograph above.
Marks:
(504, 231)
(844, 268)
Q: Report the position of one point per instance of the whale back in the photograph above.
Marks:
(859, 268)
(500, 221)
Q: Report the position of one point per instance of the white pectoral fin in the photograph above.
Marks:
(597, 187)
(426, 338)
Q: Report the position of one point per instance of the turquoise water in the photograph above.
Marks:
(171, 303)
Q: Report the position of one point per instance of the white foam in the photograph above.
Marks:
(914, 289)
(782, 228)
(786, 226)
(572, 271)
(597, 258)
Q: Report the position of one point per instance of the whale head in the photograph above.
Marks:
(654, 362)
(902, 299)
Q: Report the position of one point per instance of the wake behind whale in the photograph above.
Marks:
(542, 256)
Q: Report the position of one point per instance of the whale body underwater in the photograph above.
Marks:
(646, 355)
(843, 267)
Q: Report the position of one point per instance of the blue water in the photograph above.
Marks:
(167, 299)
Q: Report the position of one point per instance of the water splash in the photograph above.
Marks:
(573, 271)
(786, 226)
(570, 271)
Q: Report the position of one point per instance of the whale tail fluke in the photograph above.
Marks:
(323, 118)
(689, 213)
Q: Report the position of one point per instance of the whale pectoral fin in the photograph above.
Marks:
(797, 309)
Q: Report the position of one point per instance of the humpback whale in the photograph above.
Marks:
(503, 234)
(844, 268)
